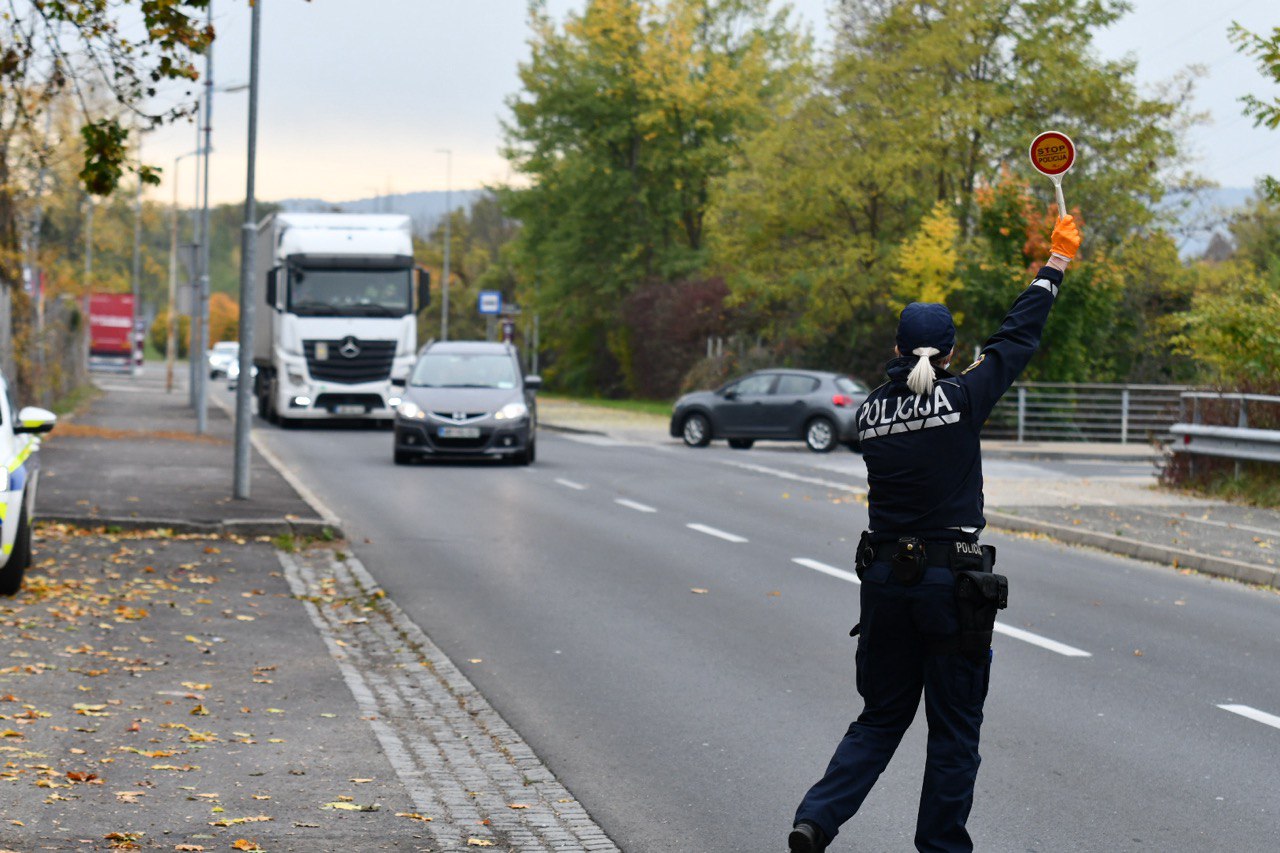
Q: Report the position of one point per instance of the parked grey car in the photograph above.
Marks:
(467, 398)
(812, 406)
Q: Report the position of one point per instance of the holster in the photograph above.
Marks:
(979, 594)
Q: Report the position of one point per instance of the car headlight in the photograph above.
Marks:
(410, 410)
(511, 412)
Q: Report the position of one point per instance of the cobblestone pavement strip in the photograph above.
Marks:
(458, 759)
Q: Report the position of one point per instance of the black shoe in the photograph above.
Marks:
(806, 838)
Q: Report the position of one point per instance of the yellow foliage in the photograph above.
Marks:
(927, 260)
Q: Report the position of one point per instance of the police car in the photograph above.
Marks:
(20, 455)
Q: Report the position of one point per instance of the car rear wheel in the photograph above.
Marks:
(820, 435)
(19, 557)
(696, 431)
(741, 443)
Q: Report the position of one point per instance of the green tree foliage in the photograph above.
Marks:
(1233, 326)
(922, 104)
(1265, 49)
(628, 111)
(480, 258)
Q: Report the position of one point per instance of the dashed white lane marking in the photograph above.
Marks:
(570, 484)
(826, 570)
(629, 504)
(1042, 642)
(719, 534)
(799, 478)
(1253, 714)
(1016, 633)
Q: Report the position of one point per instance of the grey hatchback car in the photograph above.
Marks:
(467, 398)
(812, 406)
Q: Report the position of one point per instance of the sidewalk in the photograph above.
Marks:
(1103, 506)
(165, 690)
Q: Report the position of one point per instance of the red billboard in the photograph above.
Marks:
(111, 324)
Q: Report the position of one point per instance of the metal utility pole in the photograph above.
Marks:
(137, 253)
(199, 331)
(248, 244)
(448, 242)
(194, 366)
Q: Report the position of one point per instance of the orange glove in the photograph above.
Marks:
(1066, 238)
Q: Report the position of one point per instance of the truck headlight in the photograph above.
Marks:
(410, 410)
(511, 412)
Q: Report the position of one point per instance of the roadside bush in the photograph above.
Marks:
(159, 333)
(665, 328)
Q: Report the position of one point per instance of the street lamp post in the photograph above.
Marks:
(199, 335)
(248, 243)
(448, 242)
(171, 342)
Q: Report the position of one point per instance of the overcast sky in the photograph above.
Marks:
(359, 96)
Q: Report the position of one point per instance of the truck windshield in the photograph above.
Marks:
(460, 370)
(357, 292)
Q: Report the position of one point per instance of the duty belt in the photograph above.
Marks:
(909, 557)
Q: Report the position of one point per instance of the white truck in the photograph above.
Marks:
(342, 295)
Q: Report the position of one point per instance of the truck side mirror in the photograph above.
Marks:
(271, 286)
(424, 286)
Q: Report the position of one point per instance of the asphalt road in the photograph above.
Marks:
(667, 628)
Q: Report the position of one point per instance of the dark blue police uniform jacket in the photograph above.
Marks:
(924, 466)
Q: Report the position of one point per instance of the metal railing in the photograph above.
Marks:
(1240, 442)
(1102, 412)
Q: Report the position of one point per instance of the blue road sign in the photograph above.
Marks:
(490, 302)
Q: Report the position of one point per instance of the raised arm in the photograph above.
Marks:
(1006, 353)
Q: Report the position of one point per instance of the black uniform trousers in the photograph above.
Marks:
(902, 651)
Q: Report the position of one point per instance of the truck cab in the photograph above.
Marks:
(342, 294)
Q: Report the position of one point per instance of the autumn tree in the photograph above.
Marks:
(922, 104)
(628, 111)
(83, 50)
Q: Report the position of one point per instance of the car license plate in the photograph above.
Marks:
(349, 409)
(458, 432)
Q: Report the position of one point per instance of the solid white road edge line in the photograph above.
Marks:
(570, 484)
(826, 570)
(630, 504)
(719, 534)
(1253, 714)
(1016, 633)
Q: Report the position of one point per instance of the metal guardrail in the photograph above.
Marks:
(1239, 442)
(1102, 412)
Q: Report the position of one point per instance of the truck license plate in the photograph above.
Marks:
(349, 409)
(458, 432)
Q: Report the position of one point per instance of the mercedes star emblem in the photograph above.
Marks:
(349, 348)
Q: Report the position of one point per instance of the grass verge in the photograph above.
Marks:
(648, 407)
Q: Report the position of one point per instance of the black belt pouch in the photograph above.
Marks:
(978, 596)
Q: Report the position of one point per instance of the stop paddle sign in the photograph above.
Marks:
(1053, 153)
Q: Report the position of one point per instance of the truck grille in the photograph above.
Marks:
(349, 360)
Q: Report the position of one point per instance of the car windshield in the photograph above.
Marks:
(224, 346)
(349, 293)
(464, 370)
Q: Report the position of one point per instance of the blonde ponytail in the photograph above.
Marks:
(920, 380)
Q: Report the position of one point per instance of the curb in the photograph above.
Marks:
(1175, 557)
(570, 430)
(228, 527)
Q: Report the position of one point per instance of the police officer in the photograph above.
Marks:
(928, 595)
